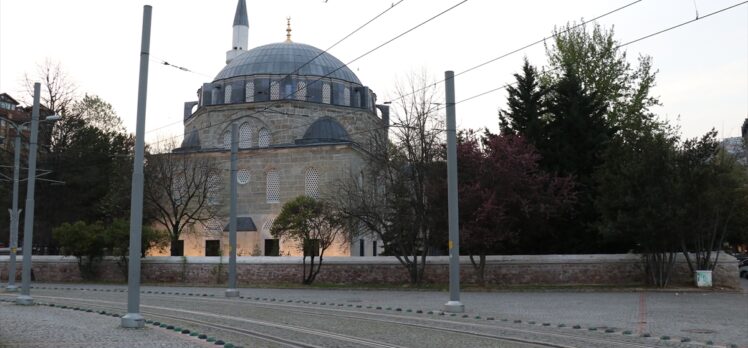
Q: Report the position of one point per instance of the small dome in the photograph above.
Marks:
(324, 130)
(285, 58)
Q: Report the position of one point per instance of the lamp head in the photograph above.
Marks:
(53, 117)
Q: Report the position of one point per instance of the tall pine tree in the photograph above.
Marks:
(526, 113)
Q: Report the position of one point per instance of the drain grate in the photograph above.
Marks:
(699, 331)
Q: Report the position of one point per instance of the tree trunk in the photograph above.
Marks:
(480, 268)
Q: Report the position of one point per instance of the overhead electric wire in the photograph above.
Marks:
(300, 67)
(340, 67)
(619, 46)
(525, 47)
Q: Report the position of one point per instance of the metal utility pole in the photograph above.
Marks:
(15, 214)
(232, 291)
(453, 305)
(133, 319)
(28, 225)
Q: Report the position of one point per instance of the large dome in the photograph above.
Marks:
(285, 58)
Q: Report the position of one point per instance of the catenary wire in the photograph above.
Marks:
(297, 69)
(328, 74)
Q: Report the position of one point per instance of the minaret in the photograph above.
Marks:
(241, 31)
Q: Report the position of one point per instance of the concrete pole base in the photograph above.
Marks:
(11, 288)
(24, 300)
(454, 307)
(132, 321)
(232, 292)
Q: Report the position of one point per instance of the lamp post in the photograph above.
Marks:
(28, 225)
(14, 212)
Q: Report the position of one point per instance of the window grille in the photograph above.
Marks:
(249, 91)
(264, 136)
(274, 90)
(301, 90)
(347, 96)
(311, 183)
(227, 95)
(326, 93)
(245, 136)
(272, 189)
(214, 189)
(227, 139)
(242, 176)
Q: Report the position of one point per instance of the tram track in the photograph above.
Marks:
(477, 330)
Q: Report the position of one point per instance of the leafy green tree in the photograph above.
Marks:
(713, 193)
(87, 242)
(595, 57)
(118, 242)
(313, 226)
(640, 203)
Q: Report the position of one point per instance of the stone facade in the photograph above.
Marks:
(542, 270)
(304, 123)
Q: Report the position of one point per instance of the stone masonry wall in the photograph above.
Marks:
(606, 270)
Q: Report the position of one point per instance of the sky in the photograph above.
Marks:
(702, 78)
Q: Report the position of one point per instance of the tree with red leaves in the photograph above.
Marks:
(501, 187)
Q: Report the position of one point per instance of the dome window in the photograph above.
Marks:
(326, 93)
(227, 95)
(242, 177)
(347, 96)
(311, 183)
(272, 187)
(214, 97)
(274, 90)
(245, 136)
(301, 90)
(249, 92)
(264, 138)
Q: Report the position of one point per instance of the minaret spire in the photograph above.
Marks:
(241, 31)
(288, 29)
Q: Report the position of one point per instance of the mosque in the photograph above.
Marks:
(304, 120)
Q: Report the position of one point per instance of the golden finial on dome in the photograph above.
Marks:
(288, 29)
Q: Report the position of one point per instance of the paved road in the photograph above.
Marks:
(391, 318)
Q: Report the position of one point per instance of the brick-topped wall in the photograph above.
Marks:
(615, 270)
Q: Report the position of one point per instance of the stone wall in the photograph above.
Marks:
(554, 270)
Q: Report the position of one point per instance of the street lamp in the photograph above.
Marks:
(14, 212)
(28, 226)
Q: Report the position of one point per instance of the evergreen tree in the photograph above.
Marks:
(526, 111)
(578, 136)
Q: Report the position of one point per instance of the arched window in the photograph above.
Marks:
(347, 97)
(326, 93)
(264, 138)
(214, 96)
(311, 183)
(227, 95)
(245, 136)
(301, 90)
(242, 176)
(274, 90)
(249, 92)
(227, 139)
(268, 224)
(272, 187)
(214, 189)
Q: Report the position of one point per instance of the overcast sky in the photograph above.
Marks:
(703, 66)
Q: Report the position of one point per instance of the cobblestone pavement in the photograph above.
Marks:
(696, 316)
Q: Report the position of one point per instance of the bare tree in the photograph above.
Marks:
(180, 190)
(395, 202)
(59, 92)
